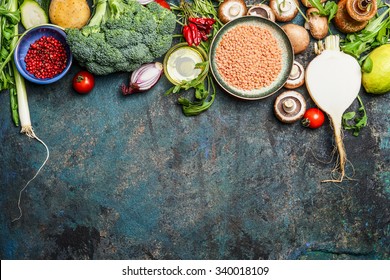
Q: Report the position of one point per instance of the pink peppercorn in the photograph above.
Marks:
(46, 58)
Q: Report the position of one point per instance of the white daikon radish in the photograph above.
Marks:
(333, 80)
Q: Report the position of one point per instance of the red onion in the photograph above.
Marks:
(144, 2)
(144, 78)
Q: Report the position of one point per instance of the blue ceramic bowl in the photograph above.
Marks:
(29, 37)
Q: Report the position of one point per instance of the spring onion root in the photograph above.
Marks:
(25, 122)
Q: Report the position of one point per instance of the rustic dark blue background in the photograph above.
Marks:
(133, 178)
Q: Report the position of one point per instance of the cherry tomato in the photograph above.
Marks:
(83, 82)
(313, 118)
(163, 4)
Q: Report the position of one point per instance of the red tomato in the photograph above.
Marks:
(313, 118)
(163, 3)
(83, 82)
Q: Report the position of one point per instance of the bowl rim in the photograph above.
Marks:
(198, 49)
(244, 19)
(21, 70)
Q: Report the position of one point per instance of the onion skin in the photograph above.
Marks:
(144, 78)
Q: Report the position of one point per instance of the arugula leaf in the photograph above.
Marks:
(353, 121)
(328, 10)
(376, 33)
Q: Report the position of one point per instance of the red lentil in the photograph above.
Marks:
(248, 57)
(46, 58)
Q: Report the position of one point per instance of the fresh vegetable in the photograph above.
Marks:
(284, 10)
(262, 10)
(298, 36)
(163, 4)
(333, 80)
(121, 36)
(32, 14)
(144, 78)
(69, 13)
(9, 19)
(203, 85)
(197, 30)
(12, 80)
(318, 25)
(375, 34)
(83, 82)
(353, 15)
(231, 9)
(187, 33)
(356, 121)
(329, 9)
(376, 79)
(313, 118)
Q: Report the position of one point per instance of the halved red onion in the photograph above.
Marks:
(144, 78)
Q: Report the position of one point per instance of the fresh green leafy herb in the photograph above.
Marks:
(376, 33)
(202, 85)
(355, 121)
(329, 9)
(9, 19)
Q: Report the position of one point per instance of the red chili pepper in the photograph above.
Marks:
(210, 21)
(187, 33)
(203, 35)
(197, 20)
(195, 33)
(202, 21)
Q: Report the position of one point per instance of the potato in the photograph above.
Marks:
(69, 13)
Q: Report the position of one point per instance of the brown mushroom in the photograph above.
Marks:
(298, 36)
(284, 10)
(318, 25)
(307, 4)
(231, 9)
(289, 106)
(296, 77)
(263, 11)
(353, 15)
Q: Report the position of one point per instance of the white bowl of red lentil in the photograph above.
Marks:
(42, 55)
(251, 57)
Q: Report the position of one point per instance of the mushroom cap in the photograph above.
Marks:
(343, 21)
(289, 106)
(263, 11)
(358, 14)
(297, 76)
(307, 4)
(318, 25)
(231, 9)
(298, 36)
(284, 10)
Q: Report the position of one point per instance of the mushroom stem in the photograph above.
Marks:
(235, 10)
(285, 6)
(295, 73)
(289, 105)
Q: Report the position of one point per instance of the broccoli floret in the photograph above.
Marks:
(121, 36)
(164, 18)
(160, 45)
(137, 53)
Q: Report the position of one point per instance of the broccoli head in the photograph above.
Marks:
(121, 36)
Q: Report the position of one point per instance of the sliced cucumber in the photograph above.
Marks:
(32, 14)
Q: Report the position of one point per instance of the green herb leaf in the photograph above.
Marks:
(353, 121)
